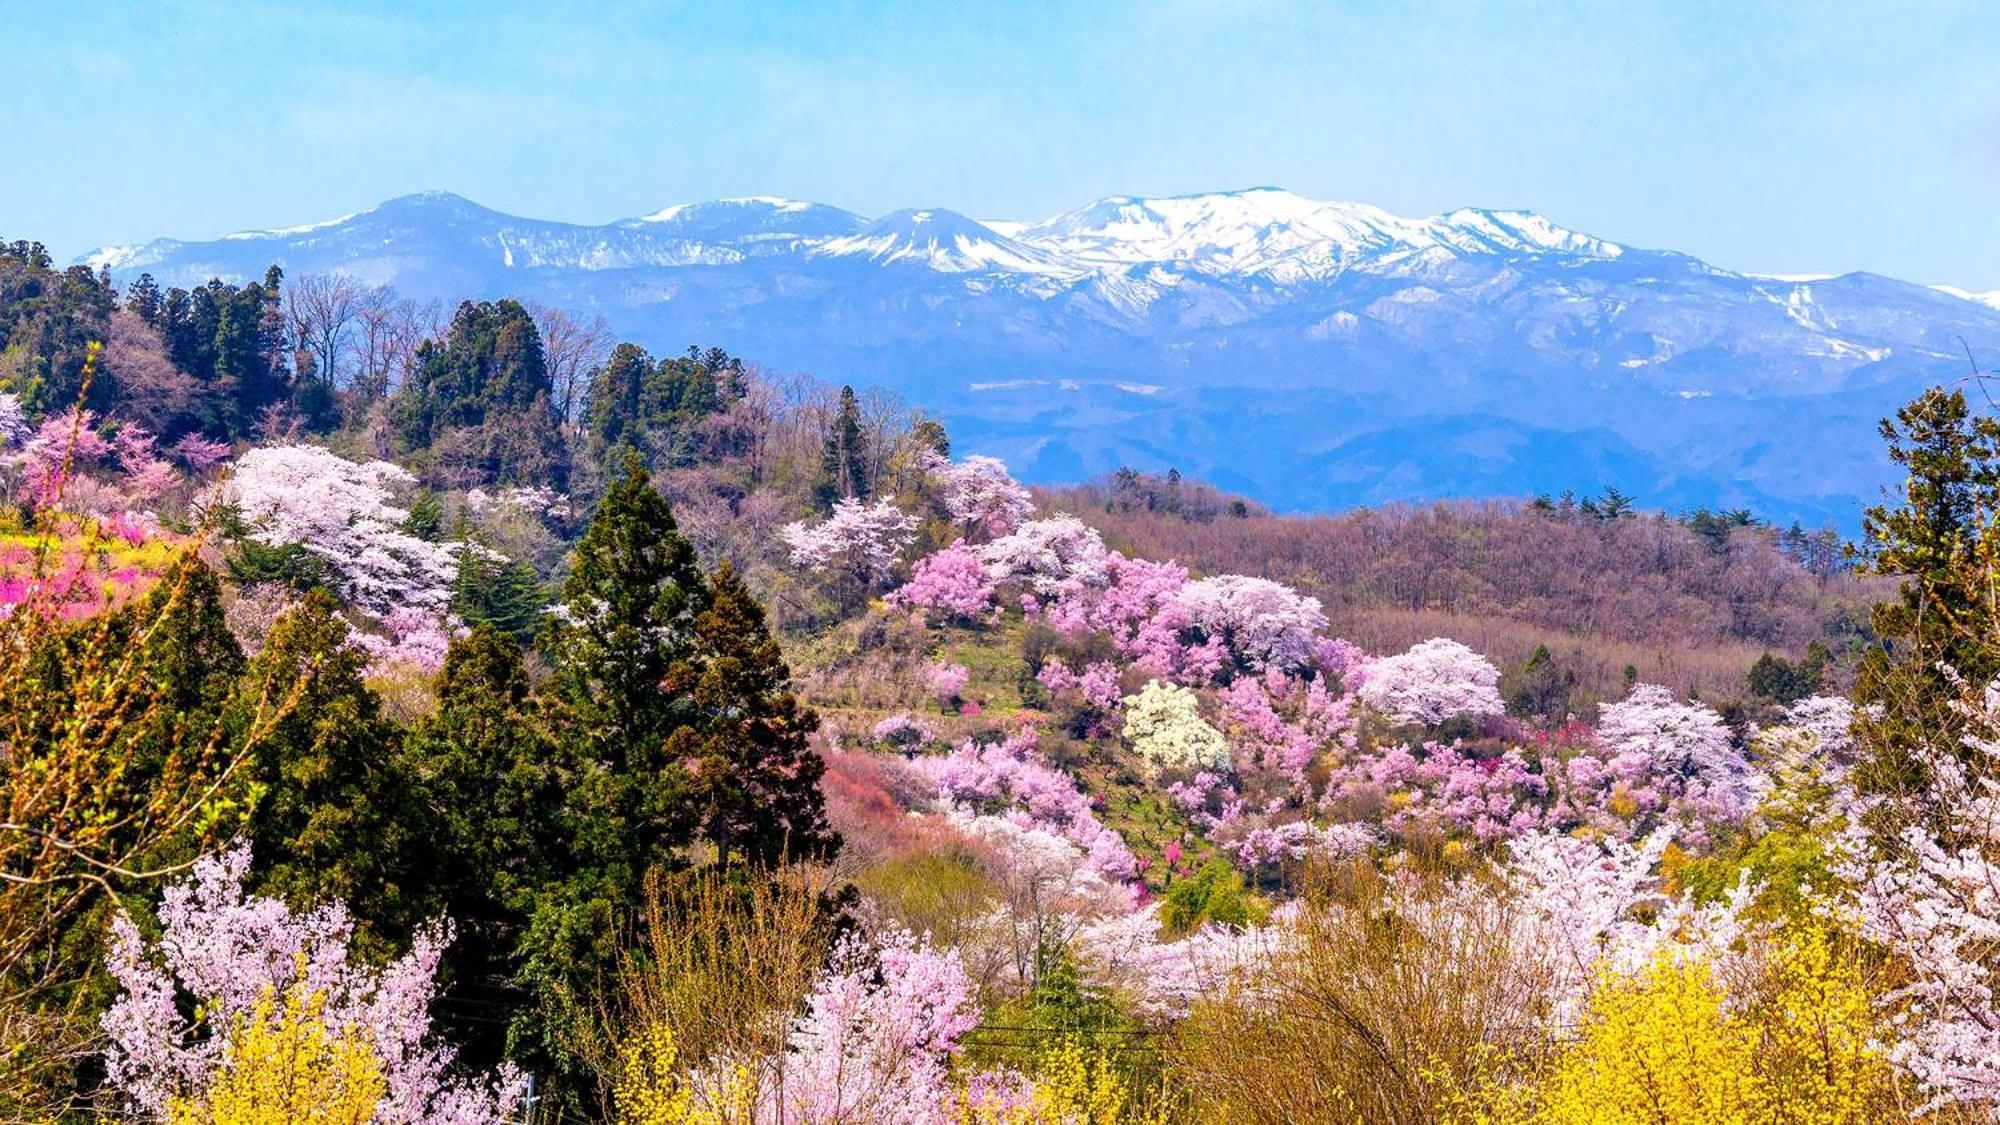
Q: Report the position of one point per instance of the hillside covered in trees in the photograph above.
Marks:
(412, 714)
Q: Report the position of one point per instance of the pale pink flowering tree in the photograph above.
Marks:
(14, 425)
(416, 637)
(952, 582)
(982, 497)
(1264, 624)
(859, 541)
(345, 513)
(947, 680)
(1436, 680)
(1683, 750)
(225, 950)
(1043, 554)
(877, 1038)
(1933, 899)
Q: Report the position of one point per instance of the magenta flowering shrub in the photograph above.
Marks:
(225, 950)
(1278, 725)
(1097, 686)
(69, 459)
(1012, 780)
(952, 582)
(1447, 788)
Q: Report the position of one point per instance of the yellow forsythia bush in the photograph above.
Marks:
(651, 1090)
(1664, 1046)
(283, 1065)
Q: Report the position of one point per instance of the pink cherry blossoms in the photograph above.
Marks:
(983, 498)
(343, 512)
(877, 1038)
(1437, 680)
(861, 540)
(952, 582)
(1263, 624)
(227, 950)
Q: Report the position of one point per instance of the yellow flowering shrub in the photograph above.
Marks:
(283, 1065)
(651, 1090)
(1662, 1047)
(1073, 1086)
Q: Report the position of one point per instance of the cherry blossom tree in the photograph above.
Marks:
(1932, 898)
(1265, 624)
(952, 582)
(1434, 681)
(14, 426)
(859, 541)
(877, 1038)
(1043, 554)
(1683, 750)
(982, 497)
(229, 952)
(344, 513)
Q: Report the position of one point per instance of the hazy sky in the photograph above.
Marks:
(1767, 137)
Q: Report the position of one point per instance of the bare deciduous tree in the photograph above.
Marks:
(573, 348)
(323, 309)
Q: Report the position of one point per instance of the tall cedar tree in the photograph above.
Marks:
(1941, 541)
(331, 818)
(489, 782)
(844, 459)
(755, 774)
(627, 627)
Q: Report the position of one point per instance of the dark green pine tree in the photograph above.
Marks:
(844, 459)
(495, 590)
(1941, 542)
(625, 636)
(481, 400)
(143, 299)
(615, 402)
(489, 787)
(629, 605)
(331, 818)
(755, 774)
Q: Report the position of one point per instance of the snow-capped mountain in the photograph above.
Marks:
(1312, 353)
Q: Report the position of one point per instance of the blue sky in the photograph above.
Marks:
(1767, 137)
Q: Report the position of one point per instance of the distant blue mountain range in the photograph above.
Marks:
(1314, 355)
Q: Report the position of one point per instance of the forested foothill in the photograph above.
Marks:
(449, 715)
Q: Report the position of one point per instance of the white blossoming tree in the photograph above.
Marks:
(1434, 681)
(1163, 724)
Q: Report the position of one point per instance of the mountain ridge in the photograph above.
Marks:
(1338, 325)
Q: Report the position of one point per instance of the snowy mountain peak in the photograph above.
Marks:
(761, 219)
(1288, 237)
(945, 241)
